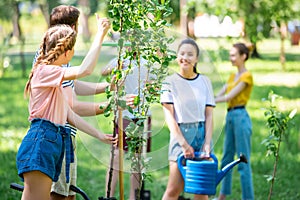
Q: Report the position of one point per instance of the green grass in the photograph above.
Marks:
(93, 156)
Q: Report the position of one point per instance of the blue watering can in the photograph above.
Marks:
(201, 176)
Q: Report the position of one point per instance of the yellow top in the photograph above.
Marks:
(242, 98)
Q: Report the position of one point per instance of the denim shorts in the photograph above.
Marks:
(42, 149)
(194, 133)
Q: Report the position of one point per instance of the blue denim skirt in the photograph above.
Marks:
(43, 148)
(194, 133)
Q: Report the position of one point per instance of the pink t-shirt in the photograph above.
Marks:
(47, 100)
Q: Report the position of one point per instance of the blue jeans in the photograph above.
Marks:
(238, 131)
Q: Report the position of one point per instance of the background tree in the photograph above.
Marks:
(87, 8)
(85, 11)
(183, 17)
(46, 7)
(175, 15)
(280, 13)
(265, 16)
(260, 17)
(10, 11)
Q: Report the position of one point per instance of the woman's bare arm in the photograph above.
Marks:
(233, 93)
(88, 64)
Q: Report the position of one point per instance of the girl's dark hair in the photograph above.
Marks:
(57, 40)
(64, 14)
(193, 43)
(242, 49)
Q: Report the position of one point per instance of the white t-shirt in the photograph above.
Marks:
(189, 96)
(132, 81)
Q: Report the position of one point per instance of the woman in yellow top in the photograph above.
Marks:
(238, 128)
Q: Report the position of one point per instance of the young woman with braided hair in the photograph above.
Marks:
(69, 15)
(40, 154)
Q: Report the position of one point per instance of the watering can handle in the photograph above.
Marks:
(197, 157)
(181, 162)
(181, 165)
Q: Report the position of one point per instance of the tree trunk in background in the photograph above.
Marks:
(183, 18)
(15, 20)
(84, 16)
(283, 34)
(249, 22)
(45, 11)
(255, 53)
(17, 33)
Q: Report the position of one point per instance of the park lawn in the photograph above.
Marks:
(93, 156)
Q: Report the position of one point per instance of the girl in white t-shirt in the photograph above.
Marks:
(188, 103)
(40, 155)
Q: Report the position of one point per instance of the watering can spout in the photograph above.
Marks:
(228, 167)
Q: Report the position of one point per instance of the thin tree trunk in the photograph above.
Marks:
(15, 20)
(274, 169)
(283, 33)
(111, 168)
(45, 11)
(17, 32)
(255, 53)
(249, 7)
(120, 125)
(84, 16)
(183, 18)
(121, 152)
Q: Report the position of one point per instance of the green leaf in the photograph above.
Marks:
(136, 100)
(122, 103)
(106, 113)
(116, 26)
(293, 113)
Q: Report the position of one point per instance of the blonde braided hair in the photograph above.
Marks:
(57, 40)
